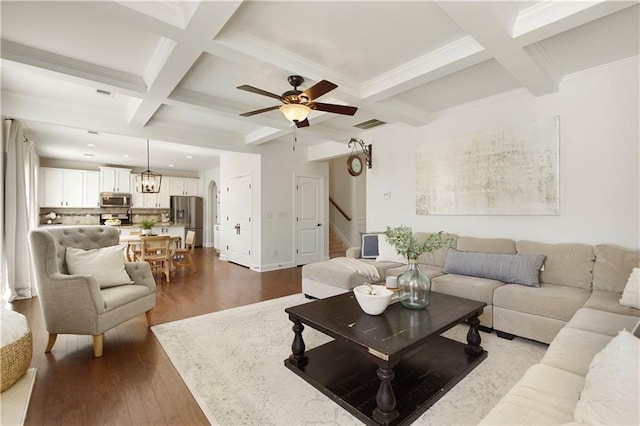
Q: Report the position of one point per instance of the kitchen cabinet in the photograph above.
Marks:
(113, 179)
(91, 189)
(174, 230)
(184, 186)
(68, 188)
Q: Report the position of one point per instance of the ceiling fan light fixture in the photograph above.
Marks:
(295, 112)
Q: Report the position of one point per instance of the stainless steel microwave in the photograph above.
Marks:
(115, 199)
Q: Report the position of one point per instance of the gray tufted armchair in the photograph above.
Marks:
(75, 304)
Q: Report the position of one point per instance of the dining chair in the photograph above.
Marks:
(155, 250)
(184, 256)
(133, 248)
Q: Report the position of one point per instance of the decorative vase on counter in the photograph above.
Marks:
(145, 231)
(414, 287)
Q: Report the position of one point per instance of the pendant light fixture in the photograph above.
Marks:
(148, 182)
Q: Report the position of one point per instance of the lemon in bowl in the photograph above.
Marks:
(373, 299)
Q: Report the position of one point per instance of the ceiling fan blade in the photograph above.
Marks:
(259, 111)
(319, 89)
(303, 123)
(336, 109)
(258, 91)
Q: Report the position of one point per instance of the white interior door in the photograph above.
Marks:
(239, 220)
(309, 219)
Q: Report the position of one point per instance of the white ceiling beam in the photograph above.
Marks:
(486, 23)
(208, 19)
(70, 115)
(73, 70)
(222, 107)
(549, 18)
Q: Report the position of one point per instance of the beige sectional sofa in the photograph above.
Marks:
(575, 310)
(573, 276)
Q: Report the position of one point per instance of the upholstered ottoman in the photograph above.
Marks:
(328, 278)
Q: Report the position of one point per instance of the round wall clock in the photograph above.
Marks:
(354, 165)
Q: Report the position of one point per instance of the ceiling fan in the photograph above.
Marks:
(296, 104)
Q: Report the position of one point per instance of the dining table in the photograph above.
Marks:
(133, 244)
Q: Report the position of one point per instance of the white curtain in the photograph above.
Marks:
(20, 211)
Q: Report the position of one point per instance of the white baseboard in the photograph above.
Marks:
(340, 235)
(274, 266)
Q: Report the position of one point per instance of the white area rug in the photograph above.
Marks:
(232, 362)
(14, 402)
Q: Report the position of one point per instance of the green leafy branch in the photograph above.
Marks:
(406, 244)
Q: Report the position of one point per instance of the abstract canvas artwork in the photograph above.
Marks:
(512, 170)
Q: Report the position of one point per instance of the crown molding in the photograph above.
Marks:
(126, 83)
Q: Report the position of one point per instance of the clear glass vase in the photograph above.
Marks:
(414, 287)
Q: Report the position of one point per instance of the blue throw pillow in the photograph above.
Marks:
(369, 246)
(508, 268)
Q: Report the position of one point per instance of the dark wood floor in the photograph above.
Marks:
(134, 382)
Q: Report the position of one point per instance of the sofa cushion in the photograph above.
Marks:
(631, 294)
(602, 322)
(566, 264)
(106, 264)
(610, 302)
(613, 266)
(508, 268)
(437, 257)
(549, 300)
(572, 350)
(487, 245)
(115, 297)
(611, 387)
(387, 253)
(544, 395)
(474, 288)
(428, 270)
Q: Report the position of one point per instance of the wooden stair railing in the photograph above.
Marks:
(346, 216)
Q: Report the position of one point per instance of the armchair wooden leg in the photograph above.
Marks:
(98, 343)
(50, 343)
(148, 315)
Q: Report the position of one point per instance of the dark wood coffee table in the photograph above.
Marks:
(385, 369)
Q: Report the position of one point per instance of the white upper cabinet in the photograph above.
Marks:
(184, 186)
(68, 188)
(91, 189)
(113, 179)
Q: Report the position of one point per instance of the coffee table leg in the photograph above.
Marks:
(298, 357)
(385, 412)
(473, 337)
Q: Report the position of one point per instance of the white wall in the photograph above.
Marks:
(349, 193)
(599, 162)
(280, 165)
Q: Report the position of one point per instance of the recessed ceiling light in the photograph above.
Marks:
(91, 145)
(171, 165)
(88, 155)
(125, 155)
(189, 156)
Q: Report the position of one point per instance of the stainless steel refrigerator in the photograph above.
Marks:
(188, 211)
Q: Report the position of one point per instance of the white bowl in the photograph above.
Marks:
(373, 304)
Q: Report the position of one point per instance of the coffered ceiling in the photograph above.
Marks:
(168, 70)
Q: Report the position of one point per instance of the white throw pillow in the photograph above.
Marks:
(612, 386)
(106, 264)
(387, 253)
(631, 294)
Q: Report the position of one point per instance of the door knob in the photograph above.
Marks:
(319, 224)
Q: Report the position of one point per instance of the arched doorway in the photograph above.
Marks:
(213, 213)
